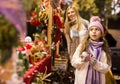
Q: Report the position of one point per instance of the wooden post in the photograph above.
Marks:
(49, 31)
(57, 49)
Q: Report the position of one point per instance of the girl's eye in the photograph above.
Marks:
(97, 29)
(91, 29)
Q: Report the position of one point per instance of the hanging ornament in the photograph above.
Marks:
(34, 20)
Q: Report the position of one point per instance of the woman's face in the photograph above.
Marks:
(95, 33)
(71, 14)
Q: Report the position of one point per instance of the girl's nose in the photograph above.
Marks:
(94, 31)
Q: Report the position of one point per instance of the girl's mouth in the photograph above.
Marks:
(94, 35)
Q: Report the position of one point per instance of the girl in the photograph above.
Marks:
(91, 58)
(75, 29)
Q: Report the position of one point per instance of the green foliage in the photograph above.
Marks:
(40, 55)
(41, 78)
(108, 7)
(104, 7)
(8, 34)
(8, 38)
(85, 4)
(29, 5)
(87, 8)
(38, 79)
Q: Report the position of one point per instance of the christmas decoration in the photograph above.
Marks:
(39, 15)
(41, 78)
(34, 20)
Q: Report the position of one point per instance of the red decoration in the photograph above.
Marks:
(33, 14)
(59, 24)
(28, 46)
(58, 36)
(20, 49)
(57, 21)
(38, 67)
(34, 21)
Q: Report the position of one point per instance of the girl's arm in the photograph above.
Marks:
(102, 65)
(76, 60)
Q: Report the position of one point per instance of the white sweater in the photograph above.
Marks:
(81, 67)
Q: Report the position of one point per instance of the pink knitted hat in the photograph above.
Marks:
(95, 21)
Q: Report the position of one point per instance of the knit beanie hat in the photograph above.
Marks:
(95, 21)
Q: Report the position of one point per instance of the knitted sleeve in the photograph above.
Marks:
(102, 65)
(77, 62)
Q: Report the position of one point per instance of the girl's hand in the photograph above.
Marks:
(85, 56)
(92, 60)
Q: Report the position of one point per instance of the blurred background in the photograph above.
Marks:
(17, 21)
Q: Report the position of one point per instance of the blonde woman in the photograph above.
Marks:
(75, 29)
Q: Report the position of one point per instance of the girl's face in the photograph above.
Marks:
(95, 33)
(71, 14)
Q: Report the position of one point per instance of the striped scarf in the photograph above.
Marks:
(93, 76)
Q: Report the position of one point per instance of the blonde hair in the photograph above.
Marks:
(67, 21)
